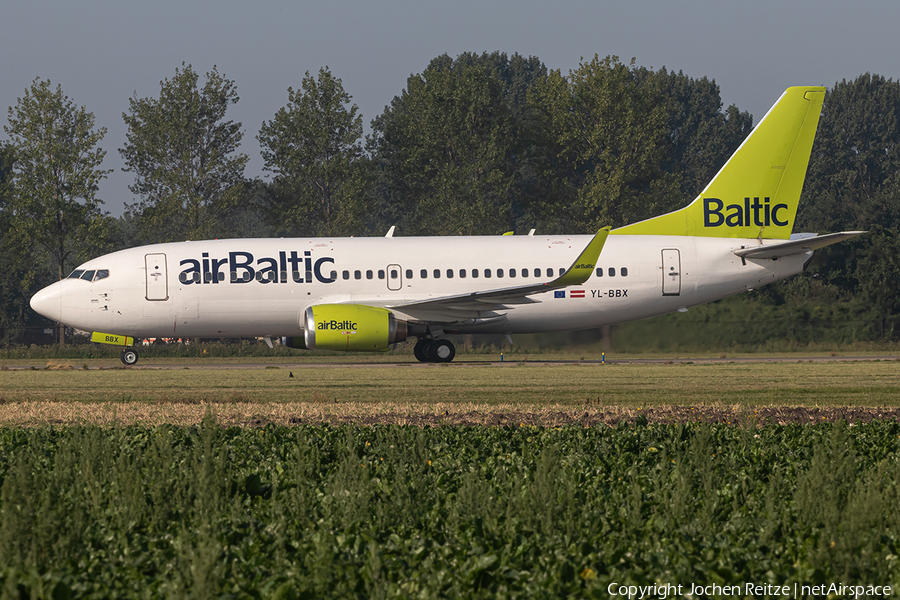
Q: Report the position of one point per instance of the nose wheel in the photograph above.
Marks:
(427, 350)
(129, 357)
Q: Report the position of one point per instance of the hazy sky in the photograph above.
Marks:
(103, 52)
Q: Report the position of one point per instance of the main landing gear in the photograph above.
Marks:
(129, 356)
(428, 350)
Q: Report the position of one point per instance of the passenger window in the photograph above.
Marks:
(449, 273)
(357, 275)
(76, 274)
(599, 271)
(395, 273)
(380, 273)
(537, 272)
(462, 273)
(88, 275)
(437, 273)
(346, 274)
(487, 273)
(101, 274)
(499, 272)
(409, 273)
(524, 272)
(423, 273)
(612, 271)
(549, 272)
(512, 272)
(475, 273)
(624, 271)
(333, 276)
(368, 275)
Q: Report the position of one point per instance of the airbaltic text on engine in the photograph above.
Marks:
(739, 215)
(266, 269)
(335, 325)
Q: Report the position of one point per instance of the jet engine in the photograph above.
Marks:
(348, 327)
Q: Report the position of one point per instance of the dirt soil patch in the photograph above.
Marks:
(668, 415)
(255, 414)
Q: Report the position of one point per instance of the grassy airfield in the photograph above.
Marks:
(99, 392)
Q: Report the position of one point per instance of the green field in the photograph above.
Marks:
(470, 512)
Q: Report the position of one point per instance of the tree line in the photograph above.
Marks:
(476, 144)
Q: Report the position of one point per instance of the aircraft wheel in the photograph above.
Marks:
(418, 349)
(426, 350)
(443, 351)
(129, 357)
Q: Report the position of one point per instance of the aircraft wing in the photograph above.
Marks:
(797, 246)
(484, 304)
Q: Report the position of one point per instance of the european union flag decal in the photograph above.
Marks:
(559, 294)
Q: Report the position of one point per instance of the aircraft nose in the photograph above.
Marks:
(48, 302)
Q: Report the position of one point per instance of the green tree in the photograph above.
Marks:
(314, 147)
(877, 271)
(854, 170)
(14, 258)
(182, 152)
(607, 128)
(853, 183)
(451, 149)
(701, 135)
(55, 176)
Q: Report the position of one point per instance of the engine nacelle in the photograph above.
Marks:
(348, 327)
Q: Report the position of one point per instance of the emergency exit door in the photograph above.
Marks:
(671, 266)
(394, 278)
(157, 280)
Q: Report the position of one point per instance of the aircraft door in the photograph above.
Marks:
(157, 278)
(671, 265)
(394, 278)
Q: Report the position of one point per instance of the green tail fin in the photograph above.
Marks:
(756, 193)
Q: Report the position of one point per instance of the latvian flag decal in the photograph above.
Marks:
(572, 294)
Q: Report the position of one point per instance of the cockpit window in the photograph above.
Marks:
(89, 275)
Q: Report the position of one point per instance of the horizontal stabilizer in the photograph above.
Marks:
(798, 246)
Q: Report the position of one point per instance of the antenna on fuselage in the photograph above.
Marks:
(390, 232)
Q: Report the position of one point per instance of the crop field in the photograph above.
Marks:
(382, 481)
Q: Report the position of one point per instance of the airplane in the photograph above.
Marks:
(368, 294)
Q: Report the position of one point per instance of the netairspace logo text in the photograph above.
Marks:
(751, 590)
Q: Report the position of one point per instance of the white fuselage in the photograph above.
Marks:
(260, 287)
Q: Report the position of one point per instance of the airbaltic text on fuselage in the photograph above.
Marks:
(751, 212)
(243, 267)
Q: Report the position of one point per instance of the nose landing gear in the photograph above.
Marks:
(429, 350)
(129, 356)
